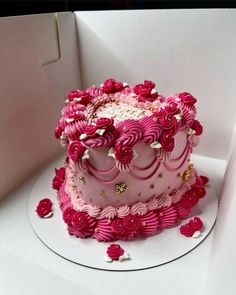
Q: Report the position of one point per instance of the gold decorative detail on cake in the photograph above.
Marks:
(178, 174)
(187, 173)
(160, 175)
(121, 187)
(101, 194)
(82, 179)
(152, 186)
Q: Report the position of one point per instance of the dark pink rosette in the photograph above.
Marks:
(167, 216)
(144, 91)
(186, 230)
(76, 116)
(148, 224)
(118, 228)
(103, 231)
(167, 141)
(82, 225)
(104, 123)
(168, 120)
(152, 129)
(189, 199)
(83, 97)
(199, 192)
(196, 224)
(58, 131)
(187, 98)
(204, 179)
(67, 215)
(131, 223)
(111, 86)
(72, 94)
(76, 150)
(59, 178)
(114, 251)
(129, 132)
(44, 208)
(197, 127)
(123, 154)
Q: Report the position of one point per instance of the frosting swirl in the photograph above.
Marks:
(129, 132)
(76, 150)
(152, 129)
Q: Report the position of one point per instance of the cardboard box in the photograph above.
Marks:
(42, 57)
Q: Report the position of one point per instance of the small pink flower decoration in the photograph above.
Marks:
(59, 178)
(116, 252)
(44, 208)
(192, 228)
(187, 98)
(111, 86)
(145, 91)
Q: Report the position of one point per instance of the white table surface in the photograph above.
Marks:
(27, 266)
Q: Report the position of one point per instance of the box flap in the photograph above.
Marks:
(39, 65)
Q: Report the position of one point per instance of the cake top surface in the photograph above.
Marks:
(117, 116)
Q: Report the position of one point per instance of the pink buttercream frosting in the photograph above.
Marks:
(128, 172)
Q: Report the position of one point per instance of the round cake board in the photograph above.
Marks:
(159, 249)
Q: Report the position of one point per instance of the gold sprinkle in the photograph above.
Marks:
(168, 187)
(139, 194)
(178, 174)
(187, 173)
(121, 187)
(160, 175)
(82, 178)
(152, 186)
(101, 194)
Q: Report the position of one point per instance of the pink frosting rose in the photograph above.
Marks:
(167, 141)
(44, 207)
(83, 96)
(189, 199)
(59, 178)
(111, 86)
(187, 98)
(76, 150)
(197, 127)
(199, 192)
(196, 224)
(114, 251)
(58, 131)
(186, 230)
(82, 225)
(131, 223)
(144, 91)
(204, 179)
(124, 154)
(68, 214)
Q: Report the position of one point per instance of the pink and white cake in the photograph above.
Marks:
(128, 171)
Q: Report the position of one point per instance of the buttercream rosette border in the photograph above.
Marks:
(134, 224)
(79, 131)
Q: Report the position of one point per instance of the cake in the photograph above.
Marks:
(127, 173)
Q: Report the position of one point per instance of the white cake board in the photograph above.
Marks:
(159, 249)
